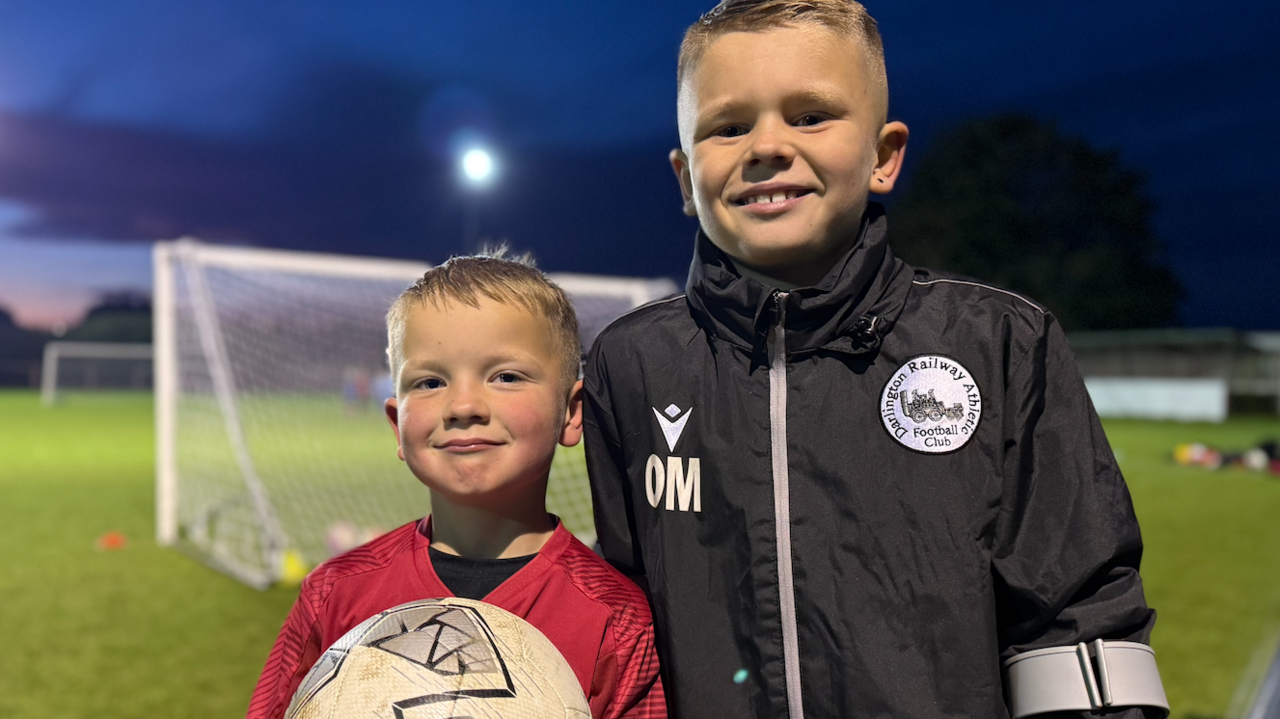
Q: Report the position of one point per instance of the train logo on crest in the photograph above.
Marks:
(931, 404)
(927, 408)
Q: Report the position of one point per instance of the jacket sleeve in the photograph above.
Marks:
(1067, 546)
(296, 650)
(610, 491)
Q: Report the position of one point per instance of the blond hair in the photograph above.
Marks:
(510, 281)
(846, 18)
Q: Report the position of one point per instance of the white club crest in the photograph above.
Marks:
(931, 404)
(671, 426)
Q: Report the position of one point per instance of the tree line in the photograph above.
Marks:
(1011, 201)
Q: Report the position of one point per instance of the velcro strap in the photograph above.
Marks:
(1086, 677)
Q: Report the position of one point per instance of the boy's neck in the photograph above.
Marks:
(806, 274)
(489, 533)
(761, 277)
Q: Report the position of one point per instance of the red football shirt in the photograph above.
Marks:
(597, 618)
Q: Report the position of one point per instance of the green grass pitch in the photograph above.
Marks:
(146, 631)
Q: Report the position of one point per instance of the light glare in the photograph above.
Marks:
(477, 165)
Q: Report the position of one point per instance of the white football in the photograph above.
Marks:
(437, 659)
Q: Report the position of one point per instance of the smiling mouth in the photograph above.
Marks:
(467, 445)
(771, 197)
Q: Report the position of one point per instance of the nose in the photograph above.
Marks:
(771, 144)
(466, 405)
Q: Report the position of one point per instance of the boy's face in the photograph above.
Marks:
(480, 402)
(781, 142)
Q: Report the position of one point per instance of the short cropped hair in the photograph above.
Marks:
(846, 18)
(512, 281)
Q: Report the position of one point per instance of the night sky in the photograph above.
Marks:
(335, 127)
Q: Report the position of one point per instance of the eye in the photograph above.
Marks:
(810, 120)
(507, 378)
(731, 131)
(429, 383)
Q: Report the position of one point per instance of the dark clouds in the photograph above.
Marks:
(344, 168)
(125, 183)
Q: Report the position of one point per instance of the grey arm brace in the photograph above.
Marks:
(1086, 677)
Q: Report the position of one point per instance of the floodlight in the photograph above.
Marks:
(477, 165)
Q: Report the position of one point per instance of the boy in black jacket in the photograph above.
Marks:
(855, 488)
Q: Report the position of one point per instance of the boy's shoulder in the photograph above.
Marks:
(968, 300)
(967, 288)
(376, 555)
(667, 315)
(660, 312)
(597, 581)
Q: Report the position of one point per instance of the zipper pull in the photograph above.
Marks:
(773, 333)
(777, 338)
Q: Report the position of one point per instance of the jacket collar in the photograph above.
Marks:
(850, 310)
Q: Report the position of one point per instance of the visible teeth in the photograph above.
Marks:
(775, 197)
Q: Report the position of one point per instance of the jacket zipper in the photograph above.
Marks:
(782, 508)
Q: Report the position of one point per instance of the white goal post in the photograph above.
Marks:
(272, 451)
(138, 355)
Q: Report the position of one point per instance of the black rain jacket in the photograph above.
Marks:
(803, 561)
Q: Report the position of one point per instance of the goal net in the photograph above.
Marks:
(270, 372)
(93, 366)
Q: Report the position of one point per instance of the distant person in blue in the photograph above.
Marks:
(383, 387)
(855, 488)
(355, 390)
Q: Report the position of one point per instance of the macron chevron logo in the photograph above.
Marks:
(672, 427)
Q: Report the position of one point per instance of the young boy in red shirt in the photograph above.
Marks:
(485, 355)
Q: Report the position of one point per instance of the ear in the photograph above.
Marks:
(891, 148)
(680, 163)
(392, 409)
(571, 432)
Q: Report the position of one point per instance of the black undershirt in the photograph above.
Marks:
(474, 578)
